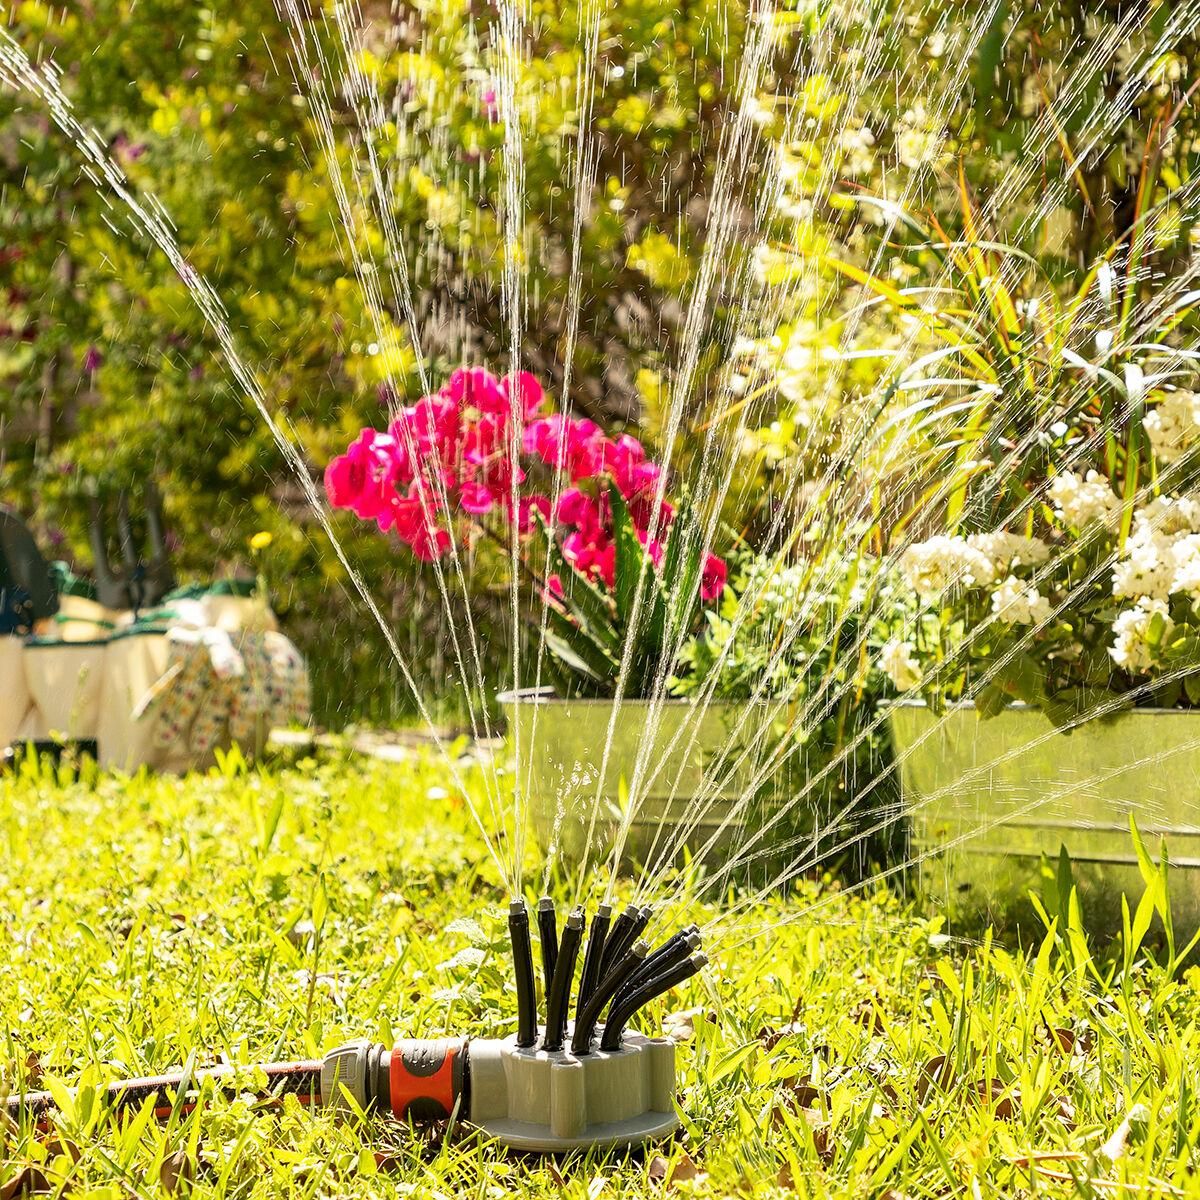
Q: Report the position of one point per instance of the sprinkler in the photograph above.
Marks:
(585, 1084)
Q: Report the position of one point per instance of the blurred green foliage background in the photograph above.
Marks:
(110, 374)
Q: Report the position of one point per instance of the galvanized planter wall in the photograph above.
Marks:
(713, 753)
(988, 798)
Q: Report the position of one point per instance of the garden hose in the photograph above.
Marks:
(609, 1089)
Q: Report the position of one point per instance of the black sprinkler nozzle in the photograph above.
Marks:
(674, 949)
(527, 1016)
(620, 1013)
(585, 1022)
(547, 922)
(560, 989)
(593, 956)
(625, 931)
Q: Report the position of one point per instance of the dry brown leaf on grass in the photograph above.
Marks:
(176, 1171)
(1006, 1103)
(681, 1025)
(58, 1146)
(935, 1073)
(661, 1170)
(1070, 1041)
(868, 1014)
(771, 1038)
(28, 1181)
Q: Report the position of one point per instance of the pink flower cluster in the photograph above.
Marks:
(452, 453)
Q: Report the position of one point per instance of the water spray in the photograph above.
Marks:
(605, 1088)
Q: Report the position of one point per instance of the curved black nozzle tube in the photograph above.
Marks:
(593, 956)
(675, 949)
(587, 1018)
(548, 938)
(626, 930)
(560, 987)
(663, 982)
(518, 931)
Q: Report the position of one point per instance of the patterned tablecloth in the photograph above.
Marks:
(221, 688)
(166, 691)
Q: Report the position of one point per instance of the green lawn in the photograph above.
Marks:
(856, 1050)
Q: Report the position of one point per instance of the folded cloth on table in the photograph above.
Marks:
(220, 688)
(14, 692)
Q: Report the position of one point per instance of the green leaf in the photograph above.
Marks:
(632, 561)
(589, 606)
(565, 653)
(991, 700)
(1022, 678)
(581, 646)
(988, 59)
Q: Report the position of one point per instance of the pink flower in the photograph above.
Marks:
(587, 450)
(431, 544)
(641, 509)
(448, 461)
(546, 438)
(491, 105)
(527, 506)
(477, 498)
(712, 580)
(576, 507)
(363, 479)
(483, 439)
(627, 454)
(92, 360)
(432, 424)
(400, 455)
(406, 516)
(641, 477)
(554, 588)
(529, 394)
(606, 564)
(654, 548)
(580, 551)
(473, 387)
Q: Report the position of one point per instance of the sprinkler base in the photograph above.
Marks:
(553, 1100)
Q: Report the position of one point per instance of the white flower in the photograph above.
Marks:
(929, 568)
(1186, 555)
(1079, 502)
(1006, 550)
(1148, 565)
(1020, 603)
(1131, 649)
(1162, 554)
(900, 665)
(1170, 514)
(856, 148)
(919, 138)
(1173, 425)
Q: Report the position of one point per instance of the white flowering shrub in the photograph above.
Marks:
(1104, 609)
